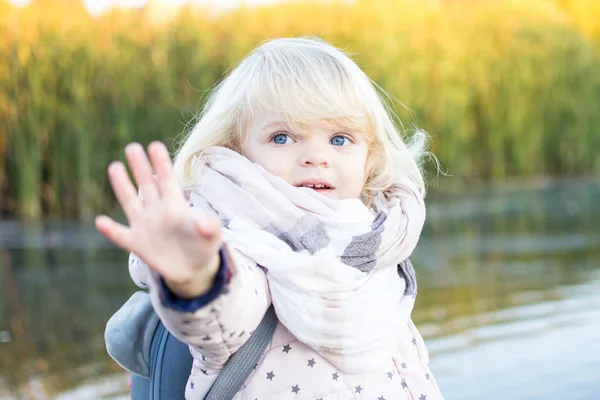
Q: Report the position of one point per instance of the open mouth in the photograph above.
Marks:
(317, 187)
(320, 186)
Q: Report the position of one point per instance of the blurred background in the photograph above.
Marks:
(509, 263)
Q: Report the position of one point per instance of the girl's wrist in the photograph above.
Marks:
(199, 283)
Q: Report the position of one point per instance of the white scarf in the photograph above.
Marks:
(332, 265)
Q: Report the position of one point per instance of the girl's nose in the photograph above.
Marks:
(315, 156)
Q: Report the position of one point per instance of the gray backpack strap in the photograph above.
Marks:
(242, 362)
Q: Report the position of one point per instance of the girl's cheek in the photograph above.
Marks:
(279, 166)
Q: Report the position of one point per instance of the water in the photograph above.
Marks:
(509, 299)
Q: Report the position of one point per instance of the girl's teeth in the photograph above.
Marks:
(315, 186)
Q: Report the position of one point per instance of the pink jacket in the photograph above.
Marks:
(288, 368)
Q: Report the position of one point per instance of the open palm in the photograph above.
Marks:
(163, 230)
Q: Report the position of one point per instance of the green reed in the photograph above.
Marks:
(506, 89)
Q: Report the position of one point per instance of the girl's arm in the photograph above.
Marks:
(216, 323)
(180, 252)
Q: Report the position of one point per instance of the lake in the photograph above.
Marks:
(508, 303)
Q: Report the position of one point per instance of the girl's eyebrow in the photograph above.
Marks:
(274, 125)
(281, 125)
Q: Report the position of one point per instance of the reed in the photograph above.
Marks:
(506, 88)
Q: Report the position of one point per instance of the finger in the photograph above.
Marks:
(142, 171)
(115, 232)
(124, 190)
(161, 161)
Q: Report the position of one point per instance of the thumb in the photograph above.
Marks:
(208, 227)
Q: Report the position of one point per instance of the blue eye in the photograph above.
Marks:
(339, 140)
(280, 138)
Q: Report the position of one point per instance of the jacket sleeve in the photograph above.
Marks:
(217, 323)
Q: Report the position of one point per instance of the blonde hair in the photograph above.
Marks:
(304, 80)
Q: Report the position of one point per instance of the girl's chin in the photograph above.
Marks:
(331, 193)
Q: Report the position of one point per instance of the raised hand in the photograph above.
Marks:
(163, 230)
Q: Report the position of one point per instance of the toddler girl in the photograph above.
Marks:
(299, 192)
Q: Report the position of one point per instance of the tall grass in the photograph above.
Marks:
(506, 88)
